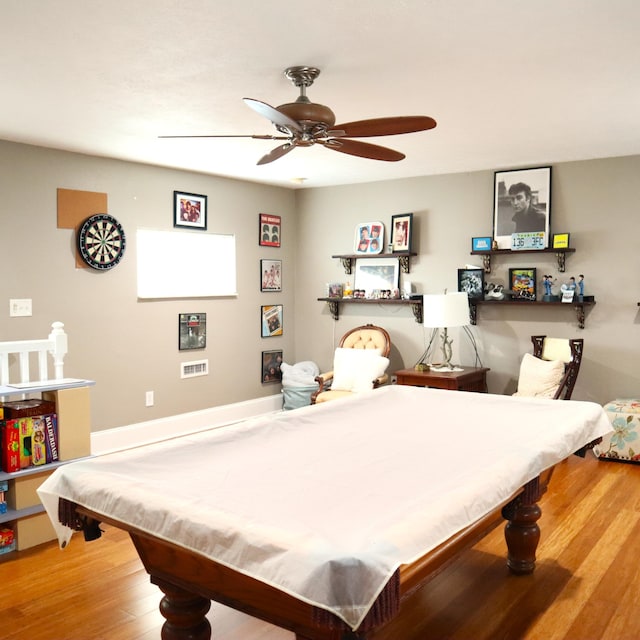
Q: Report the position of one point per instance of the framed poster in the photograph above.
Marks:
(271, 371)
(270, 230)
(192, 331)
(376, 274)
(270, 275)
(369, 238)
(523, 284)
(401, 231)
(271, 316)
(189, 210)
(560, 240)
(471, 282)
(522, 204)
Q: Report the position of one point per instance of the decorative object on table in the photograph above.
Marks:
(569, 290)
(481, 244)
(192, 331)
(369, 238)
(471, 281)
(272, 324)
(271, 363)
(401, 233)
(189, 210)
(270, 230)
(334, 290)
(444, 311)
(101, 241)
(560, 240)
(377, 273)
(523, 284)
(522, 204)
(270, 275)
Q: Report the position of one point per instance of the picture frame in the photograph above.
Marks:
(521, 204)
(192, 331)
(270, 366)
(481, 244)
(523, 284)
(401, 233)
(269, 230)
(271, 317)
(560, 240)
(376, 274)
(189, 210)
(335, 290)
(369, 238)
(471, 282)
(270, 275)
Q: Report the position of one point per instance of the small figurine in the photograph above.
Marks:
(581, 286)
(547, 285)
(494, 245)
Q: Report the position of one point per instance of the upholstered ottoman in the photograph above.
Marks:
(623, 443)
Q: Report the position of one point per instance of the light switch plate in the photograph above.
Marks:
(20, 307)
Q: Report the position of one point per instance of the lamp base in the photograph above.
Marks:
(445, 367)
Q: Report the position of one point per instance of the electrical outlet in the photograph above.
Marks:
(149, 399)
(20, 307)
(394, 379)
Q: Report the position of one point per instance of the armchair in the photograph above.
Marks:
(360, 362)
(552, 370)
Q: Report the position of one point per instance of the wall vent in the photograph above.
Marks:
(195, 368)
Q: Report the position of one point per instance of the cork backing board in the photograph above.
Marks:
(74, 207)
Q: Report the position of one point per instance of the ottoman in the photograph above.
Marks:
(623, 443)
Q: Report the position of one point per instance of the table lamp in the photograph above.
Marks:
(442, 311)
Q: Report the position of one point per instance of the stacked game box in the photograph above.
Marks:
(4, 486)
(7, 540)
(28, 434)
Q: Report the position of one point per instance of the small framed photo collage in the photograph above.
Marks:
(271, 315)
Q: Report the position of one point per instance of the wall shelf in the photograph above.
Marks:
(404, 259)
(578, 306)
(334, 304)
(486, 255)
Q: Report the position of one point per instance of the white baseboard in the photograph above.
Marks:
(143, 433)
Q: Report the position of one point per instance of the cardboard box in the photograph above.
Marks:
(51, 437)
(26, 442)
(10, 443)
(27, 408)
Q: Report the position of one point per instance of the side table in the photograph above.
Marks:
(469, 379)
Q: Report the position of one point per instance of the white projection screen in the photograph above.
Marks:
(174, 264)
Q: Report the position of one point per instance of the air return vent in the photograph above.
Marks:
(195, 368)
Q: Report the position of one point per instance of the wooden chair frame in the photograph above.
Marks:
(571, 368)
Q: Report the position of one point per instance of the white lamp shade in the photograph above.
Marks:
(444, 310)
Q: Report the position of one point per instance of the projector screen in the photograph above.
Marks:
(183, 264)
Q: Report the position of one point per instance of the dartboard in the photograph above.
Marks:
(101, 241)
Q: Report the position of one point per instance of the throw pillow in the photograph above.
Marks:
(539, 378)
(356, 369)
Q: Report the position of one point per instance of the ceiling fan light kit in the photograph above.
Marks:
(304, 123)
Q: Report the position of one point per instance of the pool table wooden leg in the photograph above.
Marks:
(184, 612)
(521, 532)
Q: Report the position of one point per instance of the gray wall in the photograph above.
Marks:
(590, 200)
(129, 347)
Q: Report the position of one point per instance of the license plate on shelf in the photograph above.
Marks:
(530, 240)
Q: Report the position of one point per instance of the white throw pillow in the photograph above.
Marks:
(539, 378)
(356, 369)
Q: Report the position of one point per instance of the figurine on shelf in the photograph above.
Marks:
(548, 283)
(581, 287)
(494, 245)
(569, 290)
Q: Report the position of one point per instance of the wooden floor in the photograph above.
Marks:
(586, 585)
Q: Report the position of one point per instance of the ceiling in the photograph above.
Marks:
(511, 83)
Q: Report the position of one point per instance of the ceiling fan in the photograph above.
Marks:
(304, 123)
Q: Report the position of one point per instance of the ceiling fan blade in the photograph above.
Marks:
(255, 137)
(385, 126)
(363, 149)
(271, 113)
(276, 153)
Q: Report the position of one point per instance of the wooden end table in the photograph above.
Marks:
(469, 379)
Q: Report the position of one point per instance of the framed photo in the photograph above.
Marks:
(522, 204)
(560, 240)
(376, 274)
(481, 244)
(369, 238)
(271, 316)
(270, 275)
(522, 283)
(189, 210)
(471, 282)
(192, 331)
(401, 230)
(271, 361)
(270, 230)
(335, 290)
